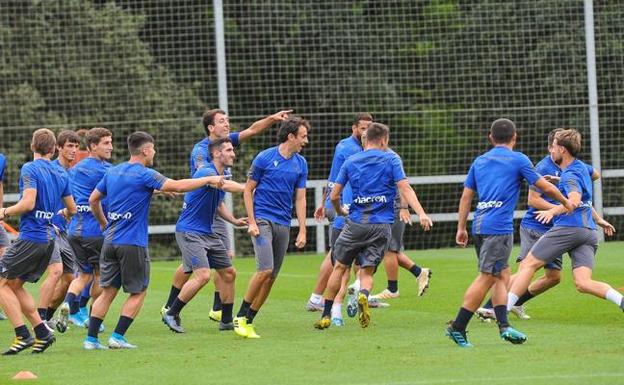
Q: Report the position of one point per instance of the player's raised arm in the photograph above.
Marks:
(535, 200)
(262, 125)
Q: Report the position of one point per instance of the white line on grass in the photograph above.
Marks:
(508, 378)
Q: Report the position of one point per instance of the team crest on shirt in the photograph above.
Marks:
(275, 163)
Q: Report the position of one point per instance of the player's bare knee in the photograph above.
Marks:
(202, 276)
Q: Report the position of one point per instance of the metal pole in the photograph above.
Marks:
(320, 227)
(222, 89)
(592, 88)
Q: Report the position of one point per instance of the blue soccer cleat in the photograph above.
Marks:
(512, 335)
(117, 341)
(91, 343)
(457, 336)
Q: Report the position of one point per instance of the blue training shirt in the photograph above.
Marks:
(344, 149)
(129, 188)
(373, 175)
(496, 177)
(200, 155)
(545, 167)
(84, 176)
(277, 179)
(2, 167)
(576, 178)
(51, 186)
(58, 220)
(200, 206)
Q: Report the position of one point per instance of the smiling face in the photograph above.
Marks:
(225, 155)
(103, 149)
(299, 139)
(220, 127)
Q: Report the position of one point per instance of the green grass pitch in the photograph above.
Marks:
(572, 338)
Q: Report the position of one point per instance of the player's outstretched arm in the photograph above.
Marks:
(24, 205)
(95, 202)
(186, 185)
(409, 196)
(233, 187)
(545, 216)
(536, 201)
(300, 210)
(261, 125)
(461, 237)
(553, 192)
(250, 187)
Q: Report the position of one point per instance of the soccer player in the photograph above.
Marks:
(574, 233)
(85, 235)
(41, 186)
(216, 124)
(375, 175)
(4, 238)
(344, 149)
(61, 268)
(495, 177)
(395, 257)
(531, 230)
(201, 248)
(124, 262)
(277, 175)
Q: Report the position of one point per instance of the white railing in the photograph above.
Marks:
(319, 185)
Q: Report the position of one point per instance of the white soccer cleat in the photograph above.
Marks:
(486, 314)
(423, 280)
(520, 312)
(386, 294)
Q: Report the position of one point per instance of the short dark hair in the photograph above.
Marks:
(377, 131)
(96, 134)
(67, 136)
(362, 116)
(291, 126)
(570, 139)
(552, 134)
(208, 118)
(43, 141)
(502, 131)
(217, 145)
(136, 140)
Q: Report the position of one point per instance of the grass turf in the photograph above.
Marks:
(573, 338)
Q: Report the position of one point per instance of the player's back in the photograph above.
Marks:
(373, 175)
(51, 185)
(496, 176)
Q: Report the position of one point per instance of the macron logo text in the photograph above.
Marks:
(116, 216)
(371, 199)
(43, 214)
(489, 205)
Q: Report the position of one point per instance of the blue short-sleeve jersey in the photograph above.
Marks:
(277, 180)
(496, 176)
(58, 220)
(52, 186)
(576, 178)
(129, 188)
(344, 149)
(200, 155)
(2, 167)
(373, 175)
(200, 206)
(545, 167)
(83, 177)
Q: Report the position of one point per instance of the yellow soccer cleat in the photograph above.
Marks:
(240, 326)
(251, 332)
(215, 315)
(323, 323)
(363, 310)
